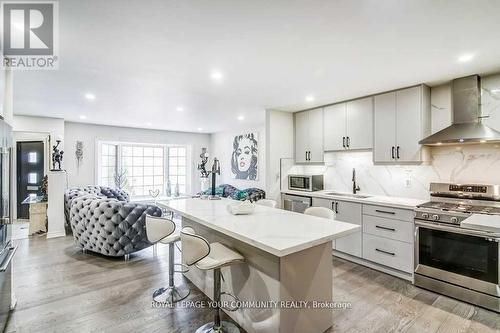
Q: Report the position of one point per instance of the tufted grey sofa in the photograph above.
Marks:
(101, 191)
(107, 225)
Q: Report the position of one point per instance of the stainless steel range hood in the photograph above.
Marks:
(467, 126)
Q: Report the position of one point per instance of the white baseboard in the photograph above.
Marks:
(54, 234)
(385, 269)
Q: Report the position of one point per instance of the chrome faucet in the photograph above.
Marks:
(355, 188)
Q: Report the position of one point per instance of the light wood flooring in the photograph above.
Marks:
(61, 289)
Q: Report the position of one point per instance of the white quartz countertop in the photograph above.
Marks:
(396, 202)
(272, 230)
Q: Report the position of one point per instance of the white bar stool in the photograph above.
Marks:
(162, 230)
(320, 212)
(205, 256)
(267, 202)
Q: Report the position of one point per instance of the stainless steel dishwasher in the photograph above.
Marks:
(296, 203)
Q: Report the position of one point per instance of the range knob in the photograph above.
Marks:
(425, 215)
(454, 219)
(435, 217)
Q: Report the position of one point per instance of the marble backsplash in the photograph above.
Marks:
(455, 164)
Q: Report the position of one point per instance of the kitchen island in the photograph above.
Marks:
(288, 262)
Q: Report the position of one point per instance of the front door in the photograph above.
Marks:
(30, 162)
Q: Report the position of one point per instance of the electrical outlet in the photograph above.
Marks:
(408, 178)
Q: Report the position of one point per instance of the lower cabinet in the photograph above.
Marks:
(386, 238)
(388, 252)
(345, 211)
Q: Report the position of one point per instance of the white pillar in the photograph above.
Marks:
(55, 209)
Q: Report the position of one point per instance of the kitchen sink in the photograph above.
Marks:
(359, 196)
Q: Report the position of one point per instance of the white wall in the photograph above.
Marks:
(279, 146)
(221, 146)
(6, 95)
(90, 134)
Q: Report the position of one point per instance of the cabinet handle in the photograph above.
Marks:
(309, 155)
(386, 252)
(385, 211)
(397, 152)
(348, 142)
(343, 141)
(392, 152)
(336, 207)
(385, 228)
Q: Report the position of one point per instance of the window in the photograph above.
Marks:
(108, 166)
(143, 167)
(177, 167)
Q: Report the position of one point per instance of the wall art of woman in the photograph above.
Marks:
(244, 157)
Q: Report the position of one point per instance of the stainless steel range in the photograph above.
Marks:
(454, 260)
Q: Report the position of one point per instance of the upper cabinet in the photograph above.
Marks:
(401, 119)
(309, 136)
(349, 125)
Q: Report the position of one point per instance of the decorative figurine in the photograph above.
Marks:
(202, 165)
(57, 157)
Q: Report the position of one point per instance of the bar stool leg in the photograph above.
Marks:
(218, 326)
(155, 250)
(172, 293)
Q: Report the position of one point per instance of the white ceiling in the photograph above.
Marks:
(143, 59)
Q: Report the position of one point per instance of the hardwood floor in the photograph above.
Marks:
(61, 289)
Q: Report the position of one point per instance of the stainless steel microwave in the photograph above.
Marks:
(307, 183)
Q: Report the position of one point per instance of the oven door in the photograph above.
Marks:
(463, 257)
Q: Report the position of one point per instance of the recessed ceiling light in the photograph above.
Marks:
(240, 118)
(200, 129)
(149, 124)
(482, 141)
(216, 76)
(466, 57)
(83, 117)
(180, 109)
(495, 91)
(90, 96)
(309, 98)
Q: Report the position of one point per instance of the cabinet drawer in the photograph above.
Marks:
(389, 212)
(388, 252)
(389, 228)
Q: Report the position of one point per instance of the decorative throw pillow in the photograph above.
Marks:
(219, 190)
(239, 195)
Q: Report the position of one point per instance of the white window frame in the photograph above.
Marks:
(166, 147)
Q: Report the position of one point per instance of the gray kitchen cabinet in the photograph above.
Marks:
(401, 119)
(309, 136)
(335, 127)
(345, 211)
(349, 125)
(360, 123)
(301, 137)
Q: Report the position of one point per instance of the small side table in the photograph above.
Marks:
(38, 214)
